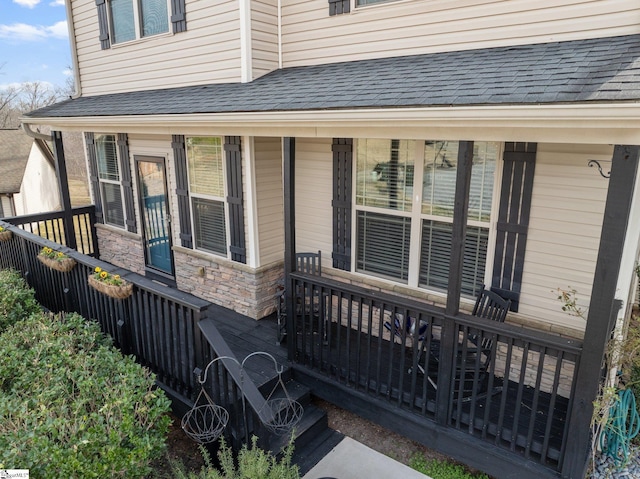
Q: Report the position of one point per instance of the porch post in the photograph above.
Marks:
(601, 307)
(288, 178)
(63, 185)
(459, 230)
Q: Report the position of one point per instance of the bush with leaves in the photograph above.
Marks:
(17, 299)
(72, 406)
(252, 463)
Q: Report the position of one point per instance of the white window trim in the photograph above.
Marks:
(137, 26)
(417, 217)
(222, 199)
(113, 182)
(355, 7)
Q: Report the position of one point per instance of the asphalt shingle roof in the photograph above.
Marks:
(15, 147)
(603, 69)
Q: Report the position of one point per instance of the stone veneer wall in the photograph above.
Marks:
(233, 285)
(121, 248)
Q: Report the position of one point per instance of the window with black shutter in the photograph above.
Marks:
(210, 198)
(117, 19)
(106, 169)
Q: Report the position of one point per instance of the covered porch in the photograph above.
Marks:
(305, 161)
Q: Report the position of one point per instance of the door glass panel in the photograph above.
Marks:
(155, 215)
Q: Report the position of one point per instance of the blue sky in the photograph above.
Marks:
(34, 42)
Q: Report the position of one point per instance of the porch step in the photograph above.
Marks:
(311, 454)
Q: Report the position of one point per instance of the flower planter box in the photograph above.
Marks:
(118, 292)
(5, 235)
(64, 264)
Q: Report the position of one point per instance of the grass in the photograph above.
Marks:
(439, 469)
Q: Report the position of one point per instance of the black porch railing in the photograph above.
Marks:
(165, 329)
(52, 227)
(503, 384)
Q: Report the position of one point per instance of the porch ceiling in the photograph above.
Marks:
(572, 82)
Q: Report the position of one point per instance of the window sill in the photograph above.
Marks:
(212, 258)
(118, 230)
(363, 8)
(141, 40)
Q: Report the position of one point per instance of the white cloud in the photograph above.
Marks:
(57, 3)
(22, 31)
(10, 86)
(67, 72)
(45, 85)
(27, 3)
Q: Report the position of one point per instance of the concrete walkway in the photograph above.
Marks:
(353, 460)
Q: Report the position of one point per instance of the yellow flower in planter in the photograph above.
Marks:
(56, 259)
(106, 277)
(51, 254)
(110, 284)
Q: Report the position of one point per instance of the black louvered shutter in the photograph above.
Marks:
(182, 189)
(178, 16)
(342, 149)
(233, 156)
(126, 182)
(513, 220)
(93, 175)
(103, 23)
(338, 7)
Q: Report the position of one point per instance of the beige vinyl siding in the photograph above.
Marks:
(208, 52)
(314, 190)
(264, 36)
(268, 168)
(311, 36)
(564, 231)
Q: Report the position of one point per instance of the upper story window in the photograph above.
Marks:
(132, 19)
(405, 193)
(110, 189)
(362, 3)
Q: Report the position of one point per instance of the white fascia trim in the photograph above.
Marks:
(74, 50)
(246, 60)
(251, 210)
(584, 123)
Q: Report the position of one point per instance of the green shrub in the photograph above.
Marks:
(438, 469)
(253, 463)
(72, 406)
(17, 299)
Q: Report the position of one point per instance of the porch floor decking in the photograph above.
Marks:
(245, 336)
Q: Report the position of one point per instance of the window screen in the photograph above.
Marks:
(122, 20)
(209, 225)
(376, 233)
(154, 17)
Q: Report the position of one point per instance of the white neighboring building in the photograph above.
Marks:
(27, 175)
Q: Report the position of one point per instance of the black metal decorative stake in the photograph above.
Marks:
(597, 163)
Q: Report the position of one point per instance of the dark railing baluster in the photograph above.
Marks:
(50, 226)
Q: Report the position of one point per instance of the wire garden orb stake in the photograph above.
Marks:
(205, 423)
(282, 413)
